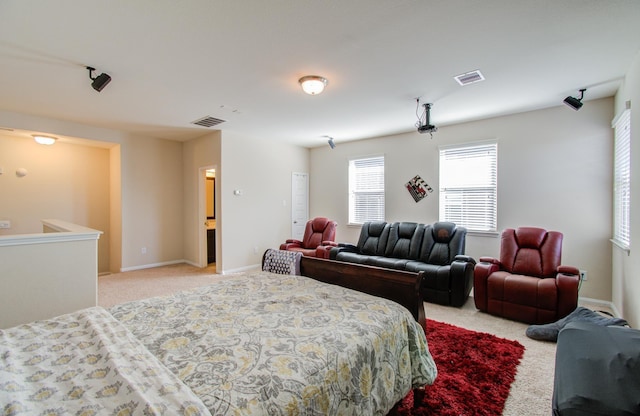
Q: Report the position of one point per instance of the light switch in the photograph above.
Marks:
(5, 224)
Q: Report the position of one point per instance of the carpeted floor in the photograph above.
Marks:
(530, 393)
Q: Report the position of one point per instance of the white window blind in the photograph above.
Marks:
(366, 190)
(469, 185)
(622, 179)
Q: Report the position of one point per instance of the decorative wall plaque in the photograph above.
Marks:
(418, 188)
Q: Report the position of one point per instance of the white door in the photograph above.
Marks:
(299, 204)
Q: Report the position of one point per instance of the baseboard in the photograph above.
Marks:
(603, 303)
(242, 269)
(152, 265)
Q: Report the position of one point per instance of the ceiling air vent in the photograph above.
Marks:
(208, 121)
(469, 77)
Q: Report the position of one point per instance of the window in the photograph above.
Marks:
(469, 185)
(366, 190)
(622, 179)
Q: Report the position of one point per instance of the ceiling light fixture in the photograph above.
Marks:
(48, 140)
(574, 102)
(331, 142)
(313, 84)
(100, 81)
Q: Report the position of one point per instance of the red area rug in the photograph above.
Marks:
(475, 372)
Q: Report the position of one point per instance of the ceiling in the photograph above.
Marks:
(173, 62)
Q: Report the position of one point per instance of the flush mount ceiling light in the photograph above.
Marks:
(48, 140)
(100, 81)
(313, 84)
(574, 102)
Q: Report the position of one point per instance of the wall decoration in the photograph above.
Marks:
(418, 188)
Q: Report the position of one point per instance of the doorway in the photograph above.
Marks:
(299, 204)
(208, 218)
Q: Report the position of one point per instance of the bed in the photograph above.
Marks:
(257, 343)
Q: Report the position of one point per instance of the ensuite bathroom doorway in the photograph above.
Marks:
(208, 217)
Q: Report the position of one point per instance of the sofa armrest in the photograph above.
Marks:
(466, 259)
(568, 270)
(324, 251)
(568, 285)
(329, 243)
(291, 244)
(461, 279)
(489, 260)
(481, 273)
(342, 247)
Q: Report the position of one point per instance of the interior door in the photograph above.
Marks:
(299, 204)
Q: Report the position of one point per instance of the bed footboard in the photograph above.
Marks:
(396, 285)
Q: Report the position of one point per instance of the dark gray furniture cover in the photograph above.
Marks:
(597, 371)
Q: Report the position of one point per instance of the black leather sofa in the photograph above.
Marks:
(436, 249)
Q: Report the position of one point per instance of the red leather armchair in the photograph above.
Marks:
(527, 284)
(318, 232)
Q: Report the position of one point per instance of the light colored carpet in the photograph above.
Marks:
(530, 393)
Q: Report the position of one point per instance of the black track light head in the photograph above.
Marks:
(100, 81)
(573, 102)
(331, 143)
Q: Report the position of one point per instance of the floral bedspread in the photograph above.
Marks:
(271, 344)
(86, 363)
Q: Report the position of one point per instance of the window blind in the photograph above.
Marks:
(469, 185)
(622, 179)
(366, 190)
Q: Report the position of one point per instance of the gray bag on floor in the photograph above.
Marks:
(549, 332)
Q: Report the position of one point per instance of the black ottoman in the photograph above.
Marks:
(597, 371)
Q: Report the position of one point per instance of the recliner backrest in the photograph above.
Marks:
(531, 251)
(373, 238)
(442, 242)
(405, 239)
(317, 230)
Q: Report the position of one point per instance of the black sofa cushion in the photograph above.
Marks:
(442, 242)
(373, 238)
(404, 241)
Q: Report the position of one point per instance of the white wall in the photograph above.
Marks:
(554, 171)
(626, 267)
(147, 209)
(259, 218)
(152, 210)
(199, 153)
(64, 181)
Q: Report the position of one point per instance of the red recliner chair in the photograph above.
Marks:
(527, 284)
(319, 231)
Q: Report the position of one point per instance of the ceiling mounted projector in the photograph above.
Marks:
(424, 122)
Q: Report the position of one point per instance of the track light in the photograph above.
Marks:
(331, 143)
(574, 102)
(100, 81)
